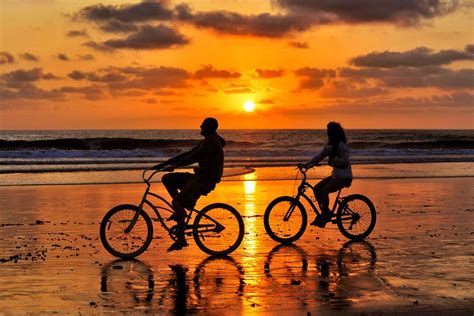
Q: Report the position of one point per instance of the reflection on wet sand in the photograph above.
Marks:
(217, 283)
(333, 280)
(127, 283)
(324, 281)
(53, 261)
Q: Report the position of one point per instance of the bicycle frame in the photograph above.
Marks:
(304, 185)
(207, 228)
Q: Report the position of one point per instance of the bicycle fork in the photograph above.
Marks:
(140, 208)
(291, 209)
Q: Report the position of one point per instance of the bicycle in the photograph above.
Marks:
(285, 217)
(126, 230)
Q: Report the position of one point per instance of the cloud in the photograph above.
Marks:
(77, 33)
(269, 73)
(124, 18)
(266, 101)
(150, 78)
(349, 89)
(6, 58)
(30, 91)
(418, 57)
(165, 93)
(300, 45)
(118, 27)
(462, 98)
(313, 78)
(150, 101)
(85, 57)
(263, 25)
(29, 57)
(209, 71)
(410, 77)
(298, 16)
(375, 73)
(63, 57)
(448, 104)
(470, 48)
(88, 92)
(20, 77)
(243, 90)
(113, 76)
(403, 13)
(98, 47)
(140, 12)
(150, 37)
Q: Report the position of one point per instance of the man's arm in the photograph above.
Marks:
(190, 157)
(176, 159)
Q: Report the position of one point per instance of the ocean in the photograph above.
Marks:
(41, 154)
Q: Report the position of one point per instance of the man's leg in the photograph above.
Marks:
(175, 181)
(187, 198)
(179, 216)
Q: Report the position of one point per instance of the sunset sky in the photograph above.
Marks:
(98, 64)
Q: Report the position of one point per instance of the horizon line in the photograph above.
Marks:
(235, 129)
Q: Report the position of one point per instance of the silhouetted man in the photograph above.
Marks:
(186, 188)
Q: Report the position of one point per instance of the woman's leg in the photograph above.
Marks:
(321, 193)
(322, 190)
(331, 186)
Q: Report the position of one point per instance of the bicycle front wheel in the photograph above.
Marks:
(356, 217)
(114, 236)
(218, 229)
(285, 219)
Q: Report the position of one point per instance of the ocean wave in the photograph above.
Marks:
(33, 166)
(105, 144)
(171, 146)
(434, 144)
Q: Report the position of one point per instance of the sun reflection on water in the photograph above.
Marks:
(250, 184)
(251, 242)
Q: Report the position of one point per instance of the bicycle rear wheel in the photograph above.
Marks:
(356, 217)
(283, 230)
(218, 229)
(114, 238)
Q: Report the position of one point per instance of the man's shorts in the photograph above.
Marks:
(192, 191)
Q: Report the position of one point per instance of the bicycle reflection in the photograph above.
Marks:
(127, 283)
(130, 284)
(219, 283)
(337, 279)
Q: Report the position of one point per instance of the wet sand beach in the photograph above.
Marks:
(418, 259)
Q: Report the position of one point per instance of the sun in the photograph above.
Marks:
(249, 106)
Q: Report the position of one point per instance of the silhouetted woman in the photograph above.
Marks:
(338, 153)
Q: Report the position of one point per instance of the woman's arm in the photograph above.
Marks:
(342, 158)
(320, 156)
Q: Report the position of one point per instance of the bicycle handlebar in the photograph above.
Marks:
(302, 168)
(147, 179)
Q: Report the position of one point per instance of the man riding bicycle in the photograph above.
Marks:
(186, 188)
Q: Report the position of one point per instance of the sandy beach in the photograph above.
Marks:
(418, 259)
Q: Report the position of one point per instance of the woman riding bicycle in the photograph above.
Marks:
(338, 153)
